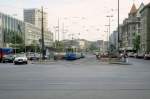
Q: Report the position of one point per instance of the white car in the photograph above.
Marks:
(20, 59)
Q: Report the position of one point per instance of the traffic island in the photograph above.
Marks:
(120, 63)
(42, 62)
(114, 61)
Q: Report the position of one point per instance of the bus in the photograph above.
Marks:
(5, 51)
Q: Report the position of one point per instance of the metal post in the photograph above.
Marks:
(109, 31)
(63, 32)
(118, 27)
(42, 34)
(109, 34)
(15, 43)
(58, 34)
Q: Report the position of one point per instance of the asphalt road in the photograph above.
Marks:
(82, 79)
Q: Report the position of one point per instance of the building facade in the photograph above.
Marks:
(130, 28)
(34, 16)
(114, 39)
(105, 46)
(10, 26)
(33, 35)
(145, 28)
(33, 21)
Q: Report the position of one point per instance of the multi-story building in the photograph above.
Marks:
(48, 38)
(120, 41)
(105, 46)
(131, 27)
(33, 30)
(33, 36)
(145, 28)
(34, 16)
(10, 26)
(100, 44)
(114, 39)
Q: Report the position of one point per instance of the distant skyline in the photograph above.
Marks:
(87, 17)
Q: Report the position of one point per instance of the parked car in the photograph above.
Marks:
(135, 55)
(147, 56)
(59, 56)
(8, 58)
(34, 56)
(140, 55)
(20, 59)
(131, 54)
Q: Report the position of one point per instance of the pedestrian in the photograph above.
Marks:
(121, 57)
(125, 57)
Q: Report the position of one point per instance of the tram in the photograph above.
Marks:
(72, 54)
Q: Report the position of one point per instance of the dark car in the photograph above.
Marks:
(147, 56)
(8, 59)
(33, 56)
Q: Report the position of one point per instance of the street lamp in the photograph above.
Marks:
(109, 16)
(118, 26)
(42, 34)
(107, 38)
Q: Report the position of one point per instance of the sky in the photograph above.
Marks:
(81, 18)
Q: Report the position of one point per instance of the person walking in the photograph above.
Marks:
(125, 56)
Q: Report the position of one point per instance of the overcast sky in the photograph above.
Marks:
(87, 17)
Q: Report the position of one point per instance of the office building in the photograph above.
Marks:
(145, 28)
(10, 26)
(33, 36)
(131, 26)
(34, 16)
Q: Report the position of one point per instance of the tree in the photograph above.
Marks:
(17, 42)
(112, 48)
(59, 45)
(136, 42)
(34, 46)
(17, 39)
(93, 47)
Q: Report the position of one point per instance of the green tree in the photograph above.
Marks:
(59, 45)
(93, 47)
(17, 42)
(112, 48)
(34, 46)
(17, 39)
(136, 42)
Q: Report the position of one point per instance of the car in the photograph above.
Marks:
(20, 59)
(135, 55)
(140, 55)
(131, 54)
(59, 56)
(147, 56)
(34, 56)
(8, 58)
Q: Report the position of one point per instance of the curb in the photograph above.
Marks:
(42, 62)
(120, 63)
